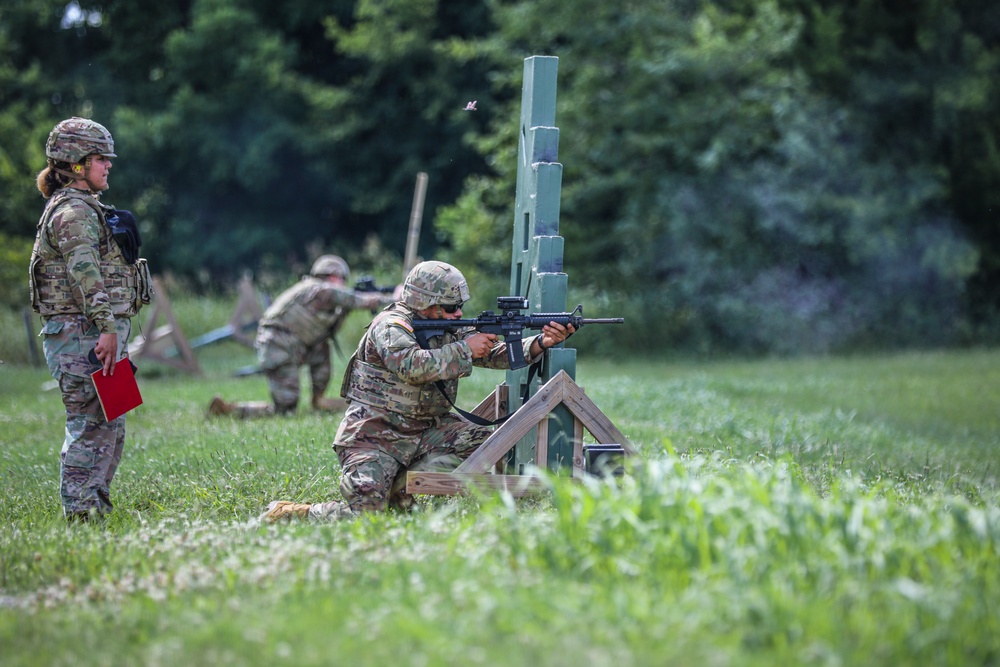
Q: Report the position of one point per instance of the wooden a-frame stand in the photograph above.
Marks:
(242, 324)
(247, 313)
(475, 471)
(156, 345)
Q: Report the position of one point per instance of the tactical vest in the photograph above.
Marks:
(290, 313)
(128, 286)
(381, 389)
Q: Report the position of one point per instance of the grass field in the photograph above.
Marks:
(837, 511)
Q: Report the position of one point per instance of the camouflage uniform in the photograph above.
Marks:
(295, 331)
(400, 394)
(398, 420)
(82, 286)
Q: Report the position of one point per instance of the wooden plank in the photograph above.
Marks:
(515, 428)
(542, 444)
(579, 465)
(538, 91)
(502, 394)
(560, 391)
(455, 483)
(546, 257)
(502, 401)
(152, 348)
(494, 406)
(542, 146)
(595, 421)
(487, 407)
(416, 218)
(247, 313)
(547, 186)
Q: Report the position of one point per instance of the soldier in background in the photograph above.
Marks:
(86, 281)
(400, 395)
(294, 332)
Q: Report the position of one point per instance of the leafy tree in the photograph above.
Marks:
(401, 108)
(924, 84)
(728, 201)
(248, 131)
(222, 175)
(758, 175)
(32, 92)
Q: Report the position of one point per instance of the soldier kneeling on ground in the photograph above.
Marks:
(295, 331)
(400, 395)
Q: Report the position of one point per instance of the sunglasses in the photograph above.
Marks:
(452, 308)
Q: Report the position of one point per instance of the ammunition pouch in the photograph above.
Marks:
(125, 232)
(382, 390)
(129, 287)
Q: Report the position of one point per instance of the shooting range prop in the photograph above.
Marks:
(561, 392)
(546, 431)
(167, 343)
(243, 321)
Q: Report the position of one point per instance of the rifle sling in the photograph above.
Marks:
(476, 419)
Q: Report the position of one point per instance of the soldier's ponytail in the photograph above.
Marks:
(51, 179)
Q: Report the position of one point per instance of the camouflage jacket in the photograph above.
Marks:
(78, 268)
(313, 309)
(389, 371)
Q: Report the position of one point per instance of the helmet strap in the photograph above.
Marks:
(79, 172)
(59, 168)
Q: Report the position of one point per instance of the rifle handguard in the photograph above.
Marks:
(509, 323)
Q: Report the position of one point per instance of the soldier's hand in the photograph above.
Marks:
(106, 352)
(481, 344)
(554, 333)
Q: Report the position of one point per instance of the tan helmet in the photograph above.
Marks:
(434, 283)
(75, 138)
(330, 265)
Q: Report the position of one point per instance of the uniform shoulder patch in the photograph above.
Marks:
(399, 321)
(74, 209)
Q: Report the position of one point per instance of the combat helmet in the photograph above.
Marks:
(330, 265)
(75, 138)
(434, 283)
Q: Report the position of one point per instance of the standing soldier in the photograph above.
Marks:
(295, 331)
(87, 282)
(400, 395)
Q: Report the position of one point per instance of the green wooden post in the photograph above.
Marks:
(537, 259)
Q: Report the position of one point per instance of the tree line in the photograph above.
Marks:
(738, 175)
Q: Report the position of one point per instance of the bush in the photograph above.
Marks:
(15, 254)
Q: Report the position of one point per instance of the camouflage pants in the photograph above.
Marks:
(92, 448)
(281, 355)
(372, 480)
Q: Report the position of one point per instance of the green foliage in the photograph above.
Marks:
(15, 255)
(27, 96)
(479, 241)
(216, 104)
(820, 511)
(728, 201)
(759, 176)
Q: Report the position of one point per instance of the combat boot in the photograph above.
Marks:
(324, 404)
(219, 407)
(279, 510)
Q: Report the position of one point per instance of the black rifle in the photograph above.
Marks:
(367, 284)
(509, 323)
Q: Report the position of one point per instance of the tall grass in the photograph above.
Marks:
(837, 511)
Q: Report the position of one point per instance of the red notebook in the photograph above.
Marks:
(118, 393)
